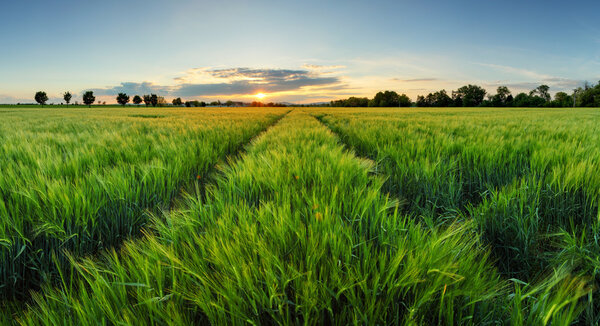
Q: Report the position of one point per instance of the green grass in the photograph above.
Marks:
(333, 216)
(81, 181)
(528, 177)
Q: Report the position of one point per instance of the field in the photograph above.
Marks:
(299, 216)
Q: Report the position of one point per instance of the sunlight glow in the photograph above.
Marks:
(260, 95)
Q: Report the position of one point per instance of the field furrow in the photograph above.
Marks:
(74, 183)
(528, 179)
(296, 231)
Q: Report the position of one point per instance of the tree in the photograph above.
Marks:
(469, 95)
(437, 99)
(404, 101)
(385, 99)
(160, 101)
(41, 98)
(440, 99)
(137, 100)
(177, 101)
(154, 99)
(147, 100)
(542, 91)
(562, 100)
(67, 97)
(122, 99)
(588, 96)
(501, 97)
(89, 98)
(521, 100)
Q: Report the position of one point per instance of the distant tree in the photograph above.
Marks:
(41, 98)
(437, 99)
(137, 100)
(470, 95)
(195, 104)
(177, 101)
(441, 99)
(89, 98)
(562, 100)
(541, 91)
(501, 97)
(67, 97)
(160, 101)
(153, 99)
(521, 100)
(229, 103)
(147, 100)
(122, 99)
(509, 100)
(588, 96)
(404, 100)
(385, 99)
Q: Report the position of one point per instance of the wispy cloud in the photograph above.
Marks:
(533, 79)
(5, 99)
(323, 67)
(517, 71)
(415, 80)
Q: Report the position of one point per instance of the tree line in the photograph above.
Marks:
(475, 96)
(465, 96)
(151, 100)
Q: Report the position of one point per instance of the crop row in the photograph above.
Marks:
(299, 231)
(527, 178)
(81, 182)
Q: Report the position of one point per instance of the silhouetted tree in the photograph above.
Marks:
(588, 96)
(541, 91)
(137, 100)
(147, 100)
(154, 99)
(122, 99)
(404, 101)
(501, 97)
(469, 95)
(437, 99)
(177, 101)
(41, 98)
(89, 98)
(67, 97)
(385, 99)
(561, 100)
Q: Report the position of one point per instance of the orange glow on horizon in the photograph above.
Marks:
(260, 96)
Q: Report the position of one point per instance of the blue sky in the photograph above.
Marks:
(296, 51)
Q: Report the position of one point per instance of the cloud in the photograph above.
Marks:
(7, 99)
(535, 79)
(132, 88)
(230, 81)
(322, 67)
(517, 71)
(415, 80)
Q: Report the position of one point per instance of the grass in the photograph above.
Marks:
(150, 116)
(528, 178)
(334, 216)
(79, 182)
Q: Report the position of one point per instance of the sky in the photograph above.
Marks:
(292, 51)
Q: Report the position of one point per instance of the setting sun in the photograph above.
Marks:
(260, 95)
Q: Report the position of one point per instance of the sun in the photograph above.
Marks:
(260, 96)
